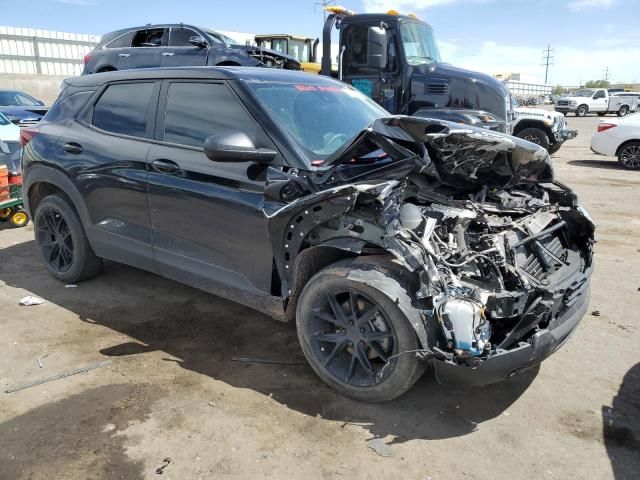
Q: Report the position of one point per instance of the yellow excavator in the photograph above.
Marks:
(301, 48)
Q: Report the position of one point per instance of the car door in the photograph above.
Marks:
(145, 49)
(600, 102)
(208, 225)
(180, 52)
(106, 151)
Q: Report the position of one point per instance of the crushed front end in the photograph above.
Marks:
(501, 255)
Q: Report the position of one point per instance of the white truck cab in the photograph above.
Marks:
(597, 100)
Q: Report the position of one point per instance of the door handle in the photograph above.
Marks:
(168, 54)
(72, 147)
(124, 55)
(165, 166)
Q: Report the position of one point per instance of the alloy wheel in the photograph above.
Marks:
(630, 156)
(352, 338)
(532, 139)
(54, 240)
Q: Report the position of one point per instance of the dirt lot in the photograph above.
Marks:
(174, 391)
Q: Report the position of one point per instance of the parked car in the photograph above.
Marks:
(176, 45)
(391, 241)
(542, 127)
(619, 137)
(21, 108)
(597, 100)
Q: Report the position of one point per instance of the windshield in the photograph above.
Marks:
(319, 118)
(299, 50)
(419, 44)
(584, 93)
(221, 38)
(17, 99)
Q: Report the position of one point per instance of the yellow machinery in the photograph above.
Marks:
(301, 48)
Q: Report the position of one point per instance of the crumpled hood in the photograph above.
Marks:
(458, 155)
(289, 61)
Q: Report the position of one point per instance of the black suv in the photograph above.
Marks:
(177, 45)
(391, 241)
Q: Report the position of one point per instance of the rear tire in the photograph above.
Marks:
(349, 330)
(535, 135)
(629, 156)
(623, 111)
(62, 242)
(19, 218)
(582, 110)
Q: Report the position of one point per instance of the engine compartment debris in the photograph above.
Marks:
(501, 254)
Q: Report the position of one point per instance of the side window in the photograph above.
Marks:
(151, 37)
(67, 108)
(123, 41)
(123, 108)
(599, 94)
(179, 37)
(356, 54)
(197, 110)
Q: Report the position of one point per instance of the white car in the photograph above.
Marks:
(619, 137)
(9, 144)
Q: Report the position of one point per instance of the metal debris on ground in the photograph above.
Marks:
(379, 446)
(70, 285)
(31, 300)
(596, 313)
(84, 369)
(265, 360)
(39, 361)
(166, 461)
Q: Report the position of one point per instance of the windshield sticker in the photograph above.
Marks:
(364, 85)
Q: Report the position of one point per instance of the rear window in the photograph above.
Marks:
(67, 108)
(123, 108)
(123, 41)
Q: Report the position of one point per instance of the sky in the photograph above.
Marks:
(492, 36)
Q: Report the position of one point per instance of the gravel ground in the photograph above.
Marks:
(173, 389)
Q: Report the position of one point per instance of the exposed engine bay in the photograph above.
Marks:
(500, 253)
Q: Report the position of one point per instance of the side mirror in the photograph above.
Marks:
(198, 41)
(377, 48)
(235, 146)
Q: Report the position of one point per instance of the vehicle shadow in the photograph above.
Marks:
(606, 164)
(206, 334)
(621, 427)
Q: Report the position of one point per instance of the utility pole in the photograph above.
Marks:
(547, 60)
(606, 74)
(323, 4)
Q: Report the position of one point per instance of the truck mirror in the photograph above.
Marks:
(377, 48)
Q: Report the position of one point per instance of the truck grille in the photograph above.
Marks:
(563, 102)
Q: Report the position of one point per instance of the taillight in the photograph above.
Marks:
(27, 134)
(86, 58)
(605, 126)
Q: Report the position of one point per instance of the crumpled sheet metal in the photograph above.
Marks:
(468, 157)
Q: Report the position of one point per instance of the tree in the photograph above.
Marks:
(558, 90)
(597, 84)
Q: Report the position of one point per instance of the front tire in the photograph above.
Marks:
(582, 110)
(351, 332)
(535, 135)
(62, 242)
(629, 156)
(554, 148)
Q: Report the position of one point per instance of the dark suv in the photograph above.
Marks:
(390, 240)
(177, 45)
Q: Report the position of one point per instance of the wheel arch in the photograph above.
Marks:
(625, 143)
(41, 181)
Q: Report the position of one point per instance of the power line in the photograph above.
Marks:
(606, 74)
(547, 60)
(323, 4)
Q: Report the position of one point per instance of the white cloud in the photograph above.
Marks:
(402, 5)
(580, 5)
(571, 64)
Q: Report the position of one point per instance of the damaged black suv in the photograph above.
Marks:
(391, 241)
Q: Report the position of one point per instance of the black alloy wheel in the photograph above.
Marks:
(55, 240)
(351, 336)
(629, 156)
